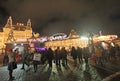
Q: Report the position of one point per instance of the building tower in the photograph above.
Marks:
(29, 24)
(9, 22)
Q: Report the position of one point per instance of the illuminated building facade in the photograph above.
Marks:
(14, 33)
(22, 34)
(62, 41)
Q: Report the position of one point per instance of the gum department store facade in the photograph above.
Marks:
(12, 33)
(20, 33)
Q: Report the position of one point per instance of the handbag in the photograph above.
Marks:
(14, 64)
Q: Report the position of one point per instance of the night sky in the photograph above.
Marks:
(55, 16)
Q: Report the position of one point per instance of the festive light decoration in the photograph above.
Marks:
(58, 36)
(74, 40)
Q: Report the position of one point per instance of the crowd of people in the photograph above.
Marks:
(105, 54)
(98, 55)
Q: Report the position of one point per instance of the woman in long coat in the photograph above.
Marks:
(11, 63)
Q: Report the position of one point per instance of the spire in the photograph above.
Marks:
(29, 23)
(9, 22)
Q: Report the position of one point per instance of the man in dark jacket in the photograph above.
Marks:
(79, 54)
(74, 55)
(50, 57)
(57, 56)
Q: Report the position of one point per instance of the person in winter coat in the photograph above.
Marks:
(5, 59)
(50, 57)
(98, 54)
(64, 56)
(36, 59)
(79, 54)
(25, 60)
(57, 56)
(74, 55)
(11, 63)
